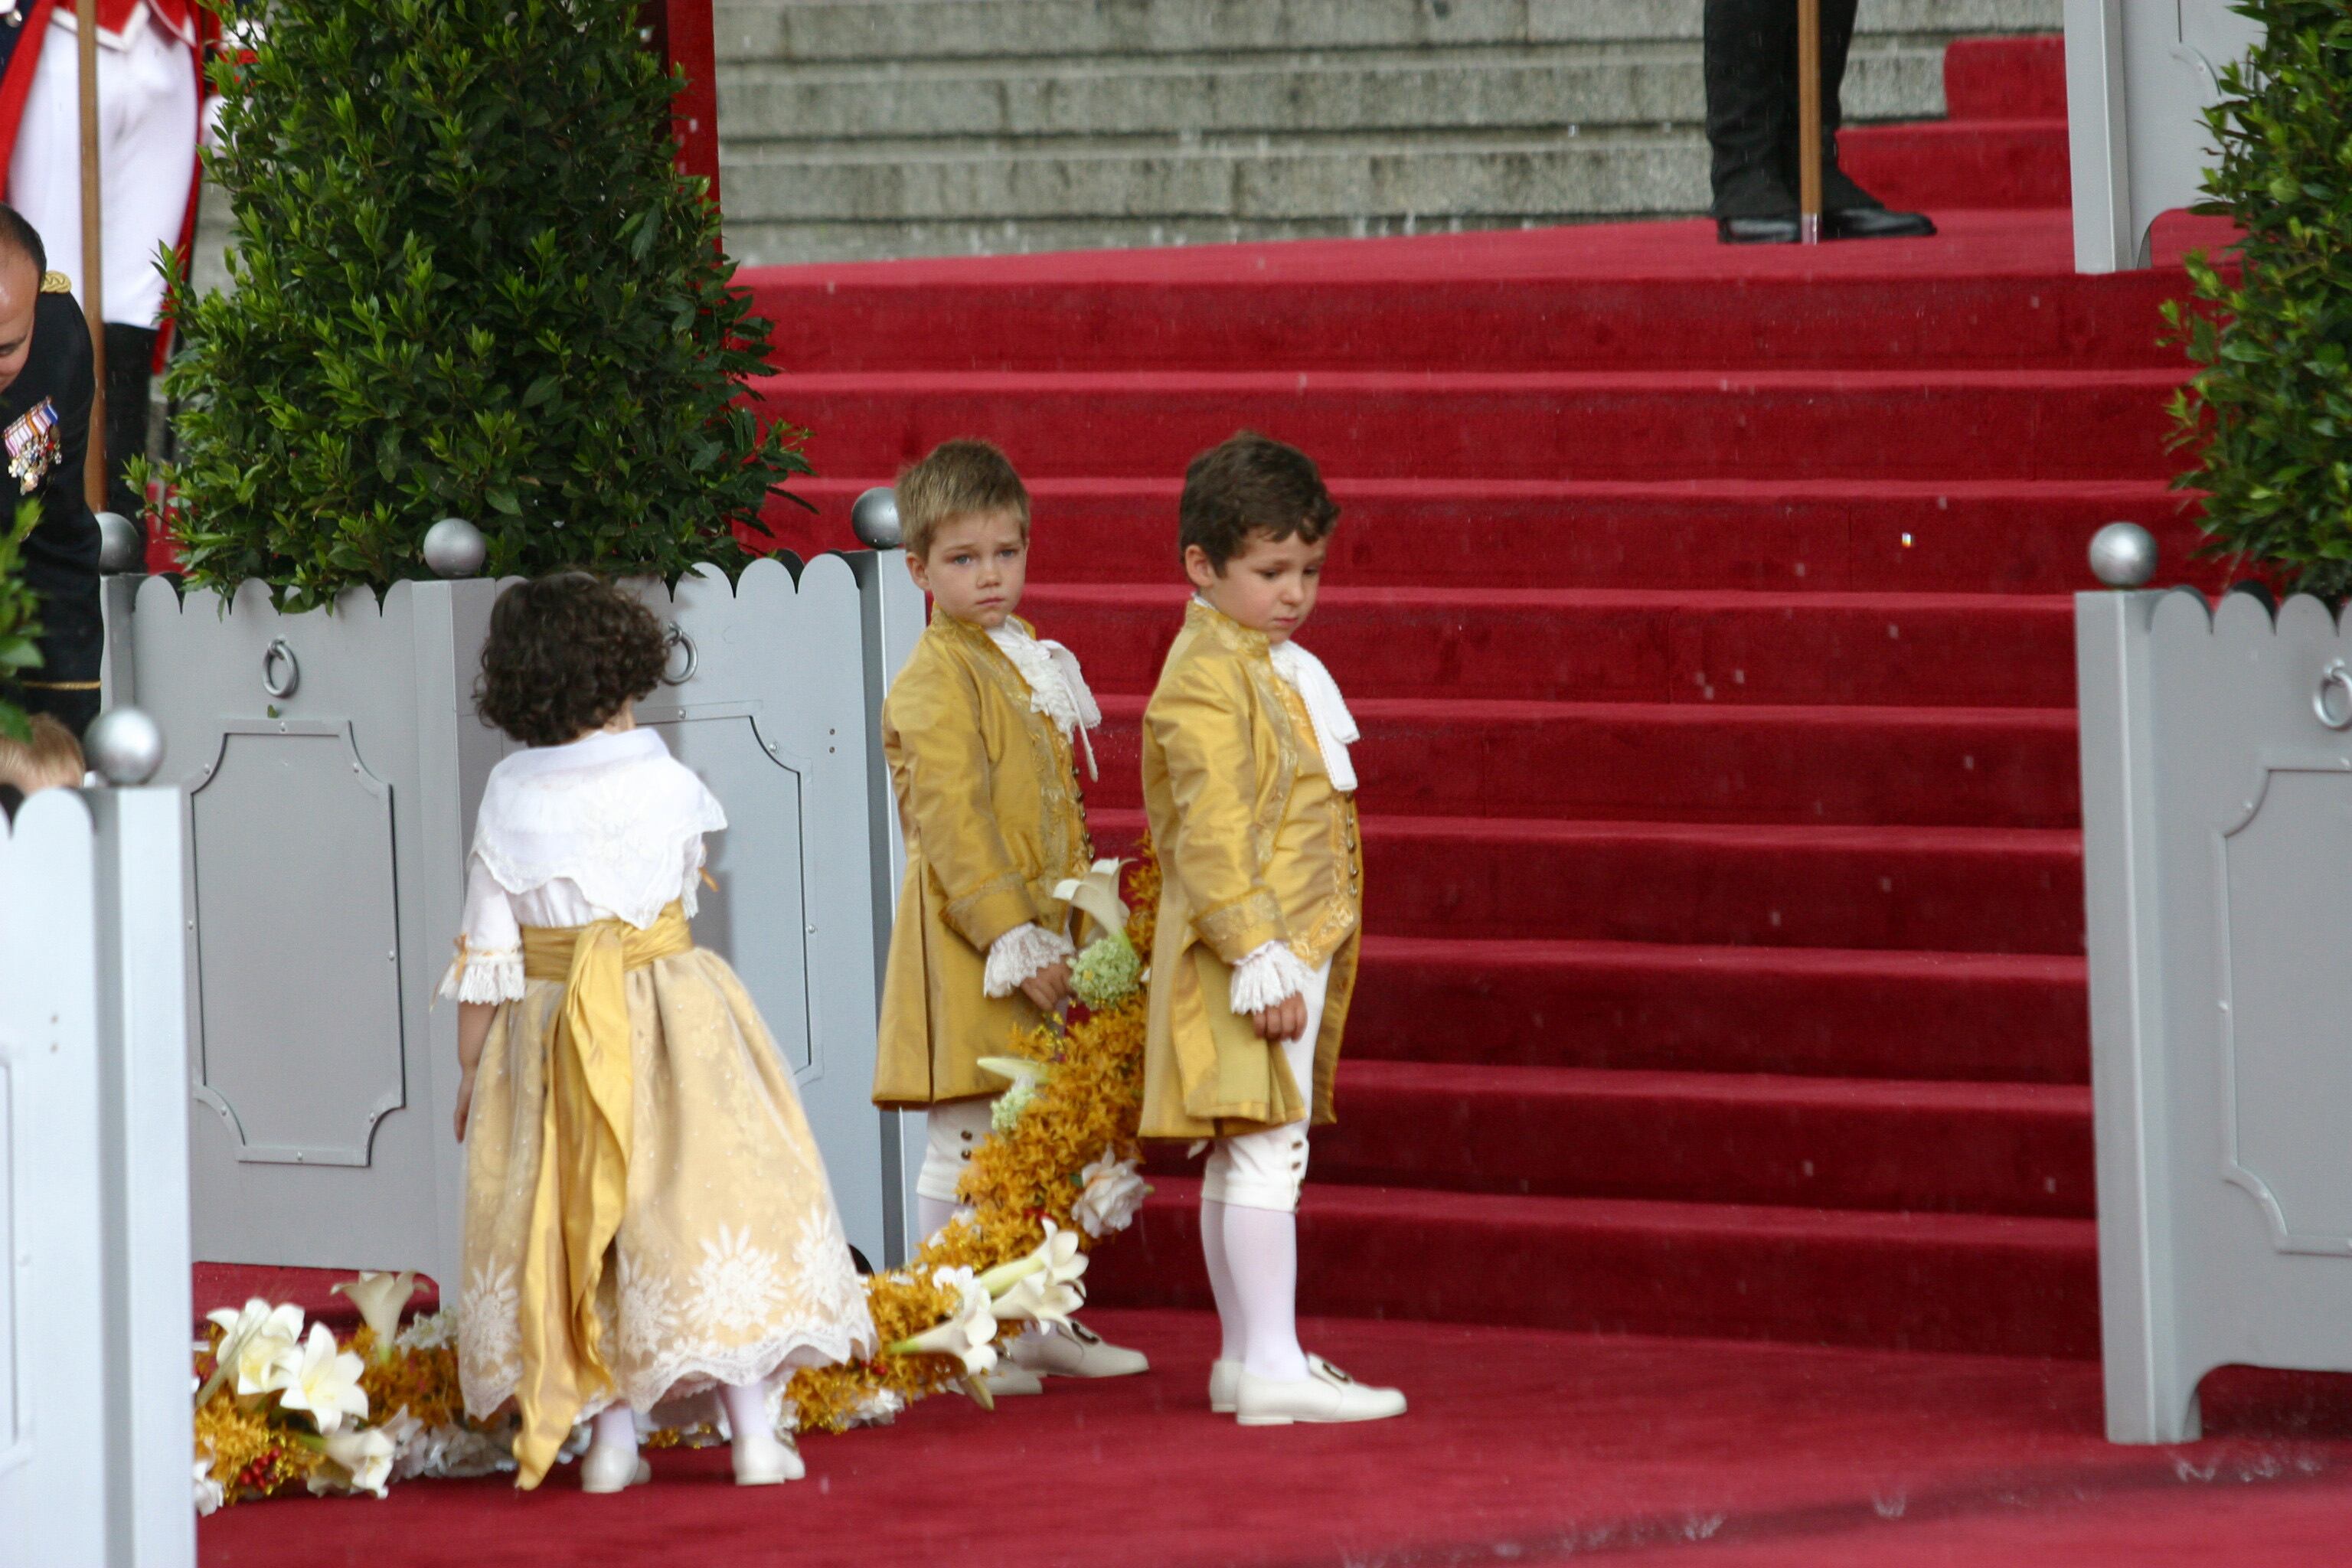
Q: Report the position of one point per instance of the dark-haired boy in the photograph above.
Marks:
(1251, 796)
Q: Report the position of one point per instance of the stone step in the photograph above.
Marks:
(1055, 29)
(890, 109)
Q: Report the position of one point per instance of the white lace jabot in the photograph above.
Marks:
(1335, 726)
(614, 814)
(1056, 688)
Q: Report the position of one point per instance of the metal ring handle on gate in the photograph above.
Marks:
(677, 639)
(2336, 676)
(280, 652)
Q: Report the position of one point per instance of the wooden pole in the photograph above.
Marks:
(1809, 121)
(93, 255)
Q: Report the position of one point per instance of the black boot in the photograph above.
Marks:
(130, 364)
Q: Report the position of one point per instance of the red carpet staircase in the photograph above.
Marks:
(1705, 614)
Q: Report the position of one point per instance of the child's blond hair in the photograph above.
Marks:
(51, 759)
(958, 479)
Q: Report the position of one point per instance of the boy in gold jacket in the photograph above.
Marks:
(1251, 795)
(977, 731)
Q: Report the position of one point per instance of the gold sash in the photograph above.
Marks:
(583, 1168)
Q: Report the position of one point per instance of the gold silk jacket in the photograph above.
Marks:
(1255, 847)
(989, 804)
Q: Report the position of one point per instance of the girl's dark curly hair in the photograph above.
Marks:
(564, 652)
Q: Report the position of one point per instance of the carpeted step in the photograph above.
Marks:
(1974, 163)
(1581, 645)
(1954, 889)
(1713, 1136)
(2003, 1284)
(1647, 425)
(2006, 79)
(1778, 534)
(1676, 1006)
(1661, 296)
(2004, 767)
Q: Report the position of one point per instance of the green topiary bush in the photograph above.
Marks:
(2269, 412)
(19, 622)
(469, 281)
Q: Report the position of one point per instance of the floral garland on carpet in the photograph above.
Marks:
(277, 1408)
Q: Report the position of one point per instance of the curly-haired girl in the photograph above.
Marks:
(646, 1213)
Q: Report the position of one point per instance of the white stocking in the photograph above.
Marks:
(616, 1428)
(1234, 1345)
(1262, 1250)
(747, 1415)
(934, 1214)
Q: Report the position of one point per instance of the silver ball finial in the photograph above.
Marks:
(454, 548)
(125, 746)
(874, 518)
(2123, 556)
(121, 547)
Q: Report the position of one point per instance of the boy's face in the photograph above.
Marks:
(1267, 586)
(977, 566)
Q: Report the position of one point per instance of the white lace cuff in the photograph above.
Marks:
(1272, 974)
(479, 975)
(1020, 953)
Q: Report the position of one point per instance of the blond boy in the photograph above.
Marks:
(978, 729)
(48, 758)
(1250, 791)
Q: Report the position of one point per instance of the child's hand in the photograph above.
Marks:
(1282, 1022)
(465, 1102)
(1049, 988)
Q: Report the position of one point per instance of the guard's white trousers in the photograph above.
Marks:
(1265, 1170)
(147, 160)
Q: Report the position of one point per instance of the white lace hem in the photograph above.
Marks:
(682, 1376)
(1268, 976)
(480, 976)
(1020, 953)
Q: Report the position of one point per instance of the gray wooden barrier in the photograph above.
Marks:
(2139, 76)
(332, 762)
(2217, 826)
(95, 1316)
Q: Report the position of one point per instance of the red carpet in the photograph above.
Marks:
(1706, 610)
(1520, 1445)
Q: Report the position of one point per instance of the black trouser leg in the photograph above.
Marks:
(1751, 105)
(130, 364)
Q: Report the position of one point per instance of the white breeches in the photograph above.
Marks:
(953, 1131)
(147, 160)
(1265, 1170)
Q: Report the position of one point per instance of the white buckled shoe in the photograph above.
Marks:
(1073, 1350)
(1009, 1377)
(1324, 1394)
(613, 1469)
(759, 1464)
(1225, 1385)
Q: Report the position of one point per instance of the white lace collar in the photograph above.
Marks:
(613, 814)
(1056, 688)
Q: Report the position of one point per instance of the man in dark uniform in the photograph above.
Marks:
(1751, 128)
(45, 394)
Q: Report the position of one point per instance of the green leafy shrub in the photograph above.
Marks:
(469, 281)
(18, 624)
(2269, 412)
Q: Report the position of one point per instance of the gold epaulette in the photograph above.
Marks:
(56, 283)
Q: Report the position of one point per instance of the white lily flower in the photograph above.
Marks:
(969, 1333)
(209, 1495)
(1113, 1195)
(380, 1298)
(1057, 1258)
(254, 1340)
(1025, 1075)
(324, 1380)
(1035, 1300)
(357, 1461)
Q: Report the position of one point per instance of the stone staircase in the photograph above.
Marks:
(884, 127)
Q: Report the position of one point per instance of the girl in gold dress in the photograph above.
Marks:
(646, 1213)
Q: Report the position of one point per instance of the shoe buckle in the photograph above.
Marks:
(1335, 1374)
(1083, 1334)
